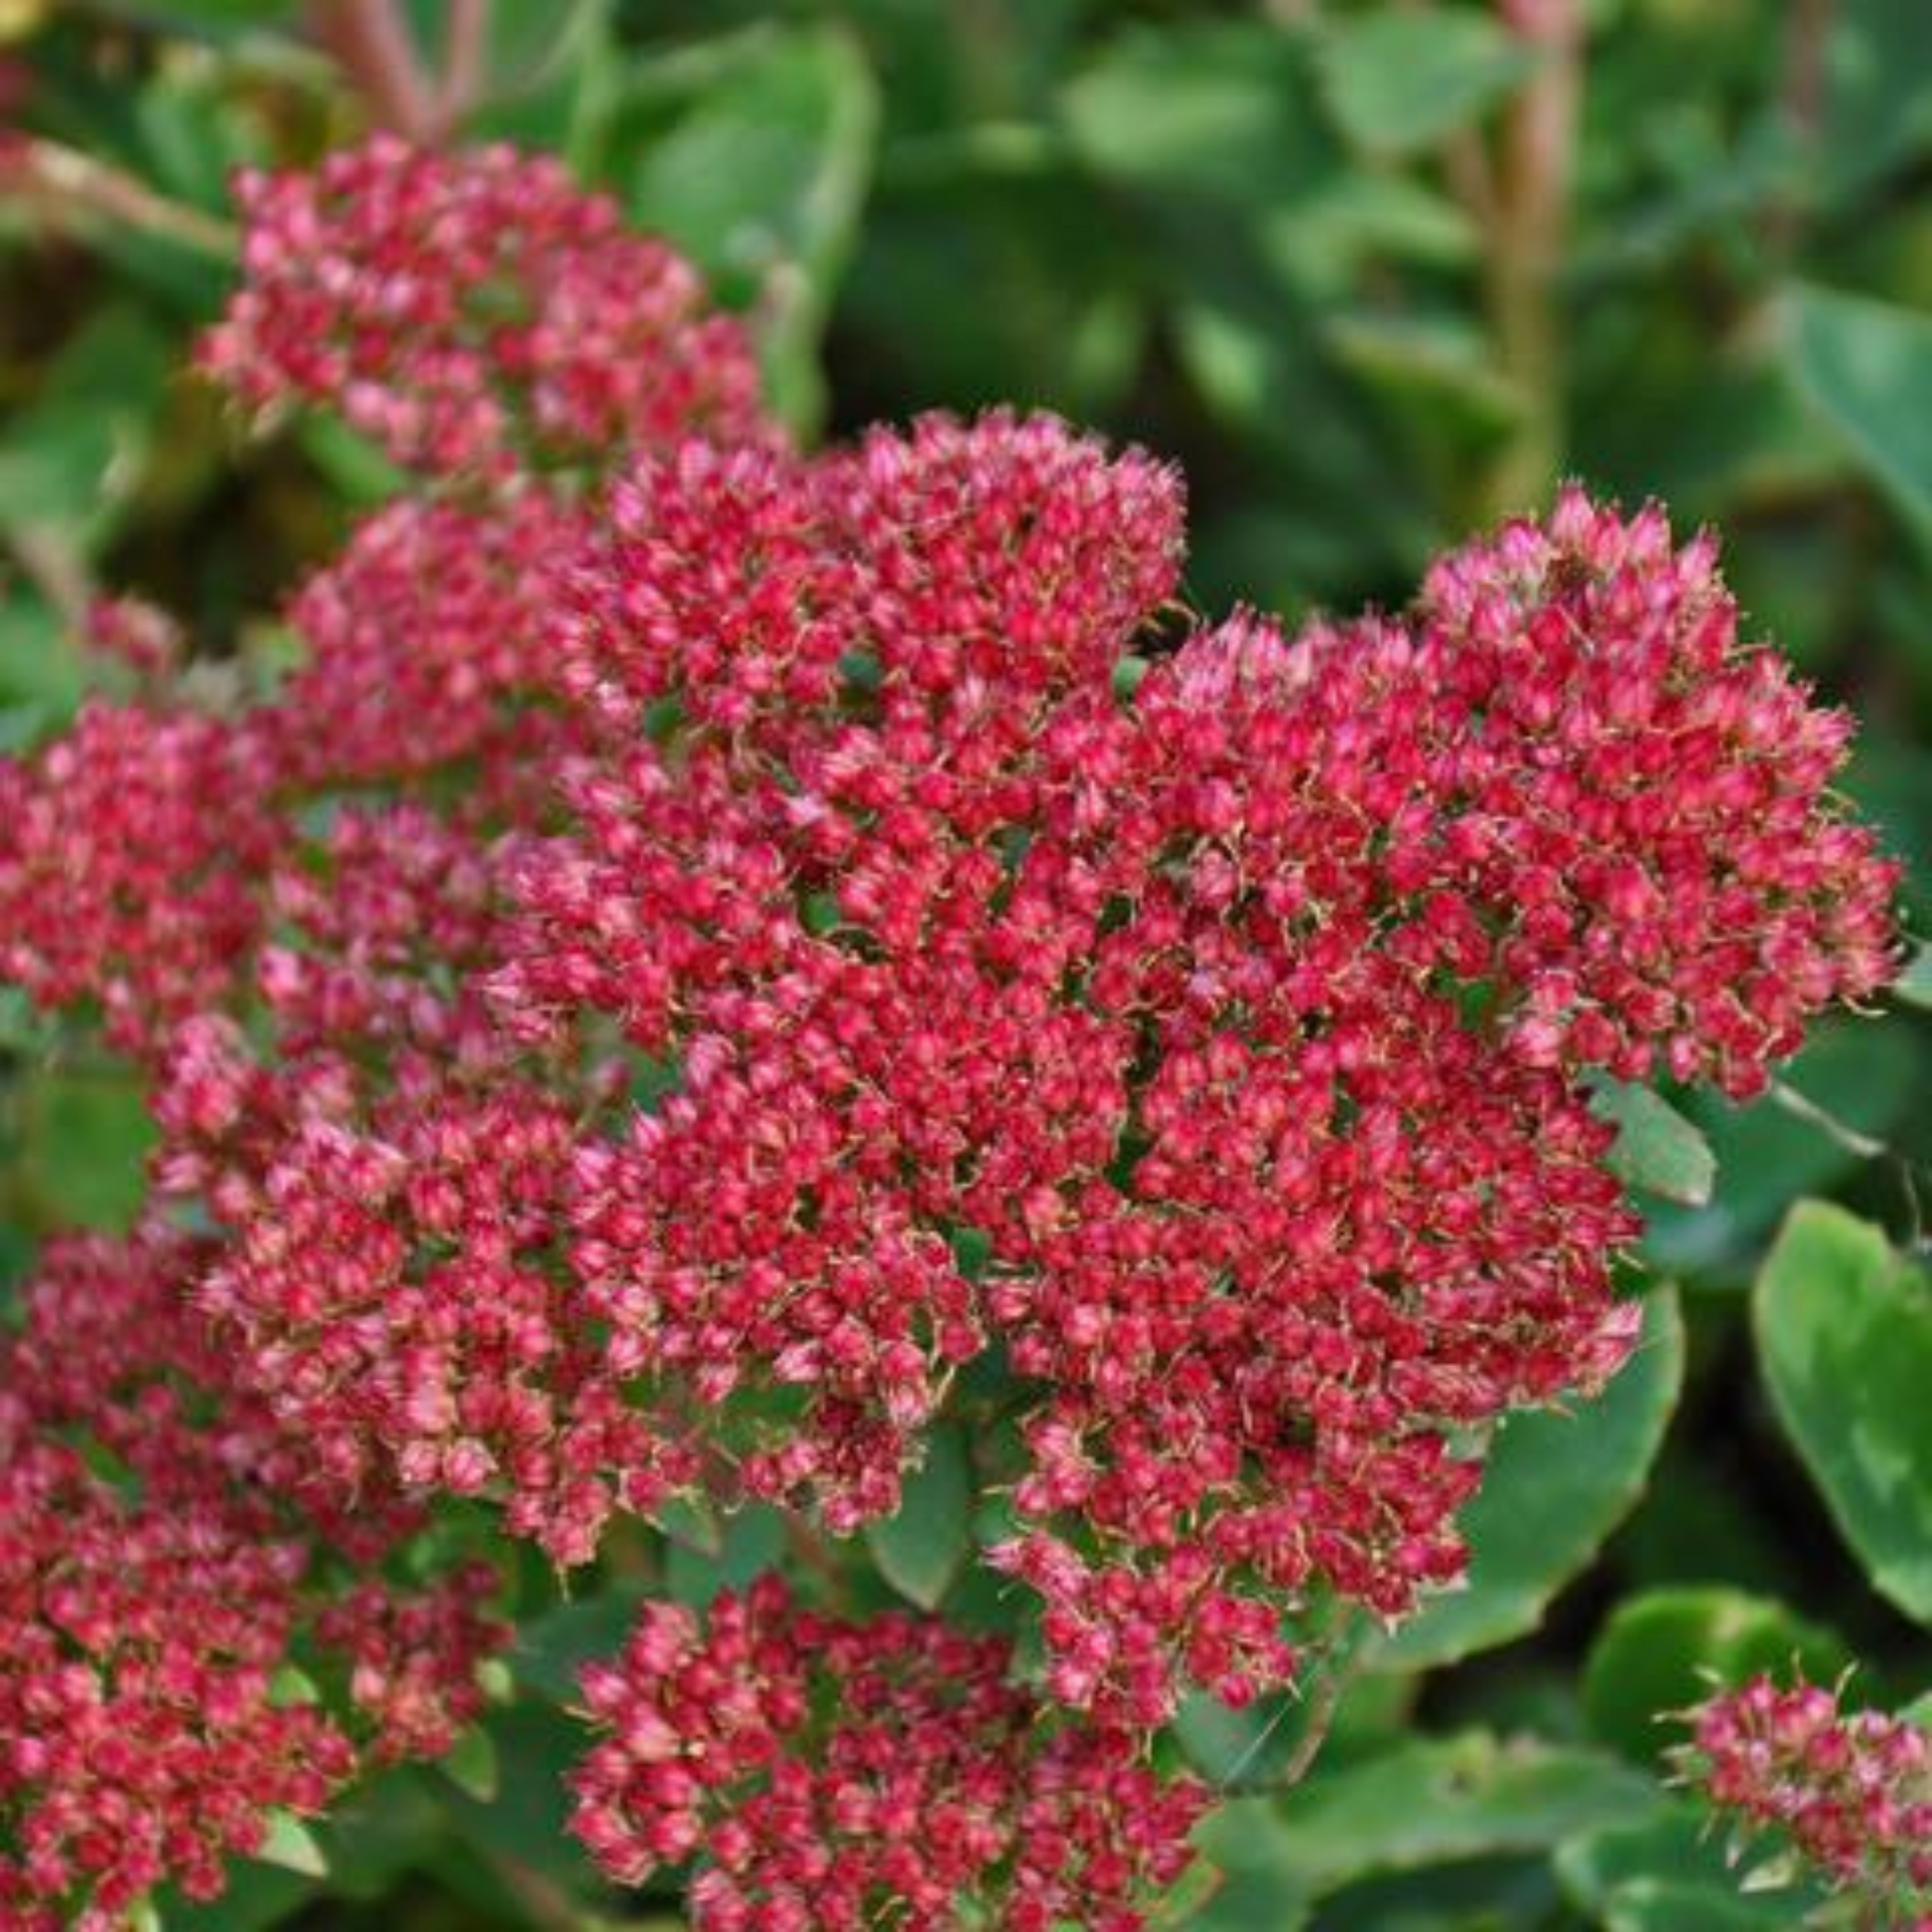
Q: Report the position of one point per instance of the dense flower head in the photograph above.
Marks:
(129, 849)
(1849, 1791)
(701, 975)
(142, 1738)
(469, 315)
(422, 637)
(1646, 803)
(165, 1551)
(928, 1781)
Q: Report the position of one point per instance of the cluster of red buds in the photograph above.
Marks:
(712, 965)
(165, 1559)
(825, 1769)
(1848, 1792)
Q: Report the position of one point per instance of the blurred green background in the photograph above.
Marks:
(1374, 274)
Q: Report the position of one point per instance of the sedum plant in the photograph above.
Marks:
(733, 980)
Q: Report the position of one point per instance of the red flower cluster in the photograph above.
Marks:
(164, 1553)
(1851, 1792)
(468, 317)
(701, 956)
(127, 854)
(829, 1774)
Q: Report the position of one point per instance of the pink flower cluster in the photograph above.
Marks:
(701, 974)
(833, 1774)
(164, 1555)
(1849, 1791)
(468, 318)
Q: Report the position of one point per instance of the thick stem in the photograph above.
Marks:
(1529, 226)
(466, 58)
(69, 186)
(373, 42)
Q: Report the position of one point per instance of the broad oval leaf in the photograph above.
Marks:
(1866, 367)
(1659, 1651)
(1656, 1150)
(1397, 81)
(1844, 1331)
(920, 1549)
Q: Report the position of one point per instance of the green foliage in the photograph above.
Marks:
(1661, 1652)
(919, 1550)
(1843, 1332)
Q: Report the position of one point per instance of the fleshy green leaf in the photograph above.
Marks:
(470, 1765)
(291, 1845)
(1656, 1149)
(1204, 108)
(1426, 1802)
(1659, 1651)
(1844, 1331)
(920, 1549)
(1557, 1485)
(1866, 367)
(292, 1686)
(1667, 1873)
(551, 1649)
(86, 1145)
(1398, 81)
(760, 180)
(1914, 984)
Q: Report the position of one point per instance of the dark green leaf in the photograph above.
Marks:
(1866, 367)
(87, 1147)
(470, 1765)
(1426, 1802)
(551, 1649)
(1844, 1331)
(920, 1549)
(1217, 109)
(760, 180)
(1659, 1652)
(1398, 81)
(1668, 1873)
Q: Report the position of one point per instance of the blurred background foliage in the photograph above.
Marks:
(1374, 274)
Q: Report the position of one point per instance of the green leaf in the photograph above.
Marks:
(470, 1765)
(1667, 1873)
(752, 1541)
(69, 462)
(1858, 1071)
(292, 1686)
(1557, 1485)
(551, 1649)
(1220, 110)
(1877, 114)
(1844, 1331)
(920, 1549)
(1914, 984)
(1658, 1653)
(1429, 1801)
(1397, 81)
(1866, 367)
(291, 1845)
(760, 180)
(1656, 1149)
(86, 1144)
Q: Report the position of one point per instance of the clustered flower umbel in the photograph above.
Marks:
(823, 1764)
(710, 947)
(163, 1560)
(1850, 1792)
